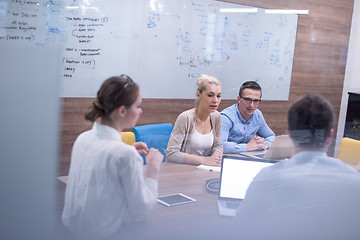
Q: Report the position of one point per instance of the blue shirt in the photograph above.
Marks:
(236, 132)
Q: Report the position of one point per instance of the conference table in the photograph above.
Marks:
(196, 220)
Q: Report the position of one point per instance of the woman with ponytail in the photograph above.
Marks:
(106, 184)
(196, 137)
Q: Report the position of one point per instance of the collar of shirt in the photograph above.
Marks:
(102, 130)
(241, 117)
(308, 156)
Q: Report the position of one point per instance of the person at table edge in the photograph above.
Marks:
(196, 138)
(243, 127)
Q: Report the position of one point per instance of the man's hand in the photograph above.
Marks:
(257, 143)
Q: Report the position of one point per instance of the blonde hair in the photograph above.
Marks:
(203, 80)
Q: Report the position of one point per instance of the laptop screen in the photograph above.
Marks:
(236, 176)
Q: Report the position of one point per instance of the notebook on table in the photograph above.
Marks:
(236, 176)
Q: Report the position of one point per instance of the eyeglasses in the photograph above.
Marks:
(128, 81)
(249, 100)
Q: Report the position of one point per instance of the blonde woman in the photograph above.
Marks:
(196, 137)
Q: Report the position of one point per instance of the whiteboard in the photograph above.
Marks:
(184, 39)
(165, 45)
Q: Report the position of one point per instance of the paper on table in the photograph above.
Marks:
(64, 179)
(209, 168)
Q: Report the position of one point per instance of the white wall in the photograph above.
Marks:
(352, 72)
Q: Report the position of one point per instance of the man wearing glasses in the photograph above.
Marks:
(243, 125)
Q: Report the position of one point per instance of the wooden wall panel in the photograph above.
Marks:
(319, 66)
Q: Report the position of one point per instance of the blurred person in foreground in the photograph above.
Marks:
(311, 195)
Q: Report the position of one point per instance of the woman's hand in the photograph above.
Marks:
(141, 147)
(214, 160)
(153, 159)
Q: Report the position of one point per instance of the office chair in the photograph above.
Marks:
(349, 151)
(128, 137)
(154, 135)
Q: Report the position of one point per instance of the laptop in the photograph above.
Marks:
(281, 148)
(236, 175)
